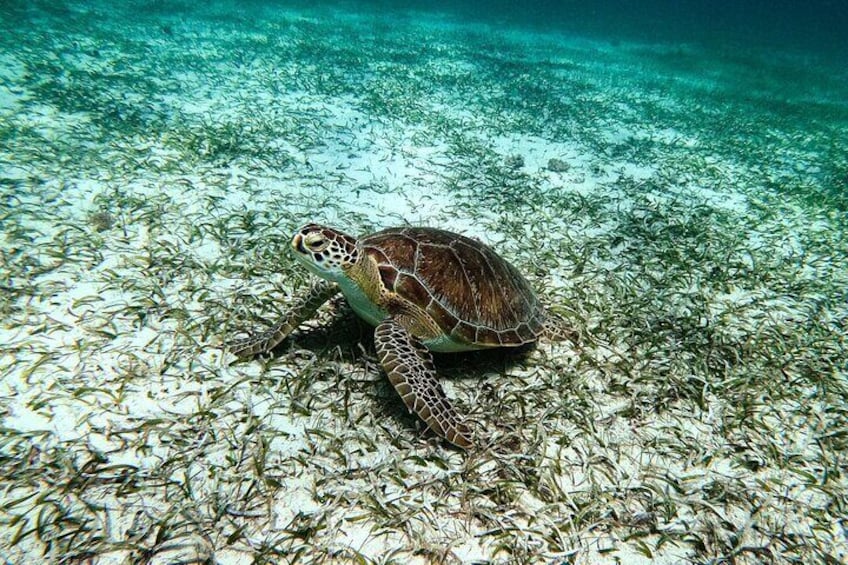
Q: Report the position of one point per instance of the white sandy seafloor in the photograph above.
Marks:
(154, 160)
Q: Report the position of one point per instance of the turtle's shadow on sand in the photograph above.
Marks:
(351, 340)
(345, 338)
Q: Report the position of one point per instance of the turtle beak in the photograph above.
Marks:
(297, 244)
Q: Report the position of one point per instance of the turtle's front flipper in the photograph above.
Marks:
(301, 309)
(409, 366)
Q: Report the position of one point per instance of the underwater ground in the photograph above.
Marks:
(684, 207)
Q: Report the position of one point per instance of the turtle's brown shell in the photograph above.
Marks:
(473, 294)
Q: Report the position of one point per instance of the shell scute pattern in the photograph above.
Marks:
(468, 290)
(394, 249)
(442, 317)
(410, 287)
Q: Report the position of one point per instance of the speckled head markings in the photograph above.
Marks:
(424, 289)
(324, 251)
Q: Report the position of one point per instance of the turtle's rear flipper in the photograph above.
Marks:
(301, 310)
(557, 329)
(409, 366)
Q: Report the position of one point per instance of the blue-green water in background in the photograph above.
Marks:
(781, 61)
(820, 27)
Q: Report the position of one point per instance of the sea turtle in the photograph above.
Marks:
(424, 289)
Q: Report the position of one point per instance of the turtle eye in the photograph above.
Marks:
(316, 243)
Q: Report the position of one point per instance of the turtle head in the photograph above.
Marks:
(327, 252)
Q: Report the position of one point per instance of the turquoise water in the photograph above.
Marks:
(671, 178)
(814, 26)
